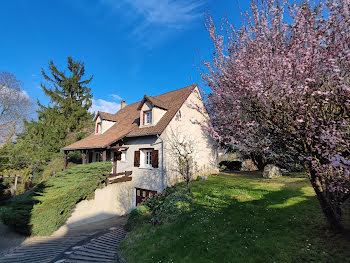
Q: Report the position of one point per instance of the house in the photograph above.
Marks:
(136, 141)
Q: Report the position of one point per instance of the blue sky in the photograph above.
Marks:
(131, 47)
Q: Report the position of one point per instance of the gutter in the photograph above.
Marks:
(163, 176)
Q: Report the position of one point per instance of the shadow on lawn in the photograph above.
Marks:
(282, 225)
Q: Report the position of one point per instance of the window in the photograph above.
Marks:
(178, 115)
(98, 128)
(148, 161)
(146, 158)
(147, 117)
(123, 156)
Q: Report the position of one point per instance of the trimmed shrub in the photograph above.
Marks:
(43, 209)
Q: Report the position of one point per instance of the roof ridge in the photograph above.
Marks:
(155, 97)
(195, 84)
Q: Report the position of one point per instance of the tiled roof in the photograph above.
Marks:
(105, 116)
(155, 103)
(128, 119)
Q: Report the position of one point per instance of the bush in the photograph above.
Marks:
(138, 216)
(4, 191)
(160, 208)
(231, 165)
(154, 201)
(174, 204)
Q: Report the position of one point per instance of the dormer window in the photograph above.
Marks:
(98, 127)
(147, 117)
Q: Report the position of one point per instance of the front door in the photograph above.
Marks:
(141, 194)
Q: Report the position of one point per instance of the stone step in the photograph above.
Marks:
(102, 245)
(94, 255)
(92, 246)
(112, 239)
(91, 259)
(97, 251)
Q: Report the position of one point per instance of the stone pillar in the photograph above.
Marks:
(65, 160)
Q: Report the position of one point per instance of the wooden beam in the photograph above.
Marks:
(83, 156)
(114, 156)
(118, 148)
(119, 180)
(65, 160)
(126, 173)
(104, 156)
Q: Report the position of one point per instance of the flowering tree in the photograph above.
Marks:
(282, 83)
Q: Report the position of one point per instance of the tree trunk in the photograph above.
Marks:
(259, 160)
(189, 186)
(328, 209)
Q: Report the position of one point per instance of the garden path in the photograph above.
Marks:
(94, 242)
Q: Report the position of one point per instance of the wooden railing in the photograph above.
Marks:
(118, 177)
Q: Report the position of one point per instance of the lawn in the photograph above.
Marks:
(43, 209)
(242, 218)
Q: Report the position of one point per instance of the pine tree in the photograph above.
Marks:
(69, 94)
(63, 121)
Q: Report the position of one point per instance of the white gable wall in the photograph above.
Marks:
(189, 126)
(105, 124)
(157, 114)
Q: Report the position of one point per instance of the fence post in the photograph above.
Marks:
(14, 192)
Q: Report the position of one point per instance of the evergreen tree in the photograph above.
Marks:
(69, 94)
(65, 120)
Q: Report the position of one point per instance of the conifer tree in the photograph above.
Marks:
(69, 94)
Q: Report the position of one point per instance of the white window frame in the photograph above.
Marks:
(146, 159)
(123, 156)
(148, 117)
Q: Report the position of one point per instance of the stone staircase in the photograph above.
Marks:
(91, 247)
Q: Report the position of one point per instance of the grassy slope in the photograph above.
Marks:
(237, 218)
(46, 207)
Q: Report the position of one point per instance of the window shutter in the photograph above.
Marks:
(119, 156)
(137, 159)
(143, 119)
(155, 158)
(96, 127)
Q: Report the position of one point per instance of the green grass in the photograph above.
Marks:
(43, 209)
(242, 218)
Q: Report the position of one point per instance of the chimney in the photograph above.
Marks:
(122, 104)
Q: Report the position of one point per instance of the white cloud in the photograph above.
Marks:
(116, 97)
(104, 105)
(165, 12)
(155, 20)
(24, 94)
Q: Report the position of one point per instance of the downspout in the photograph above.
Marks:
(163, 176)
